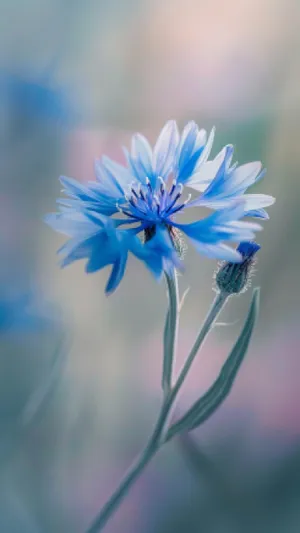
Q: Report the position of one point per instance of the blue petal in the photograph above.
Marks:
(107, 182)
(118, 173)
(104, 252)
(205, 174)
(218, 251)
(248, 249)
(207, 234)
(105, 207)
(153, 261)
(162, 245)
(141, 151)
(79, 249)
(218, 184)
(91, 195)
(230, 184)
(97, 262)
(136, 168)
(99, 220)
(206, 146)
(188, 169)
(192, 152)
(117, 273)
(106, 246)
(257, 213)
(75, 189)
(244, 176)
(165, 148)
(186, 146)
(158, 253)
(71, 223)
(257, 201)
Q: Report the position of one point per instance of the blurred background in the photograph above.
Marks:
(80, 373)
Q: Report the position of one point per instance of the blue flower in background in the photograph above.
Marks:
(104, 218)
(25, 310)
(37, 97)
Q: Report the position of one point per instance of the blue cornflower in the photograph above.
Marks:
(36, 98)
(104, 218)
(25, 311)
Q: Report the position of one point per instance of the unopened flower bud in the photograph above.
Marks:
(233, 278)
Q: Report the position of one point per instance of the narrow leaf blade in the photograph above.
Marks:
(218, 392)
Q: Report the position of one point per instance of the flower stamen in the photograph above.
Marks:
(142, 196)
(135, 193)
(148, 183)
(174, 184)
(176, 198)
(181, 206)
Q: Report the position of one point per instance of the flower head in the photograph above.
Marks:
(234, 278)
(106, 218)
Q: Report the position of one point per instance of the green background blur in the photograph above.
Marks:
(79, 372)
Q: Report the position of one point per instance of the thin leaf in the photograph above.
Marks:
(217, 393)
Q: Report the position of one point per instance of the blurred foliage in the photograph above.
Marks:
(265, 501)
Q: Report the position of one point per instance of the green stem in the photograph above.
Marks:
(211, 316)
(132, 475)
(156, 439)
(170, 333)
(119, 494)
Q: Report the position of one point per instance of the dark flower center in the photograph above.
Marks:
(149, 233)
(153, 203)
